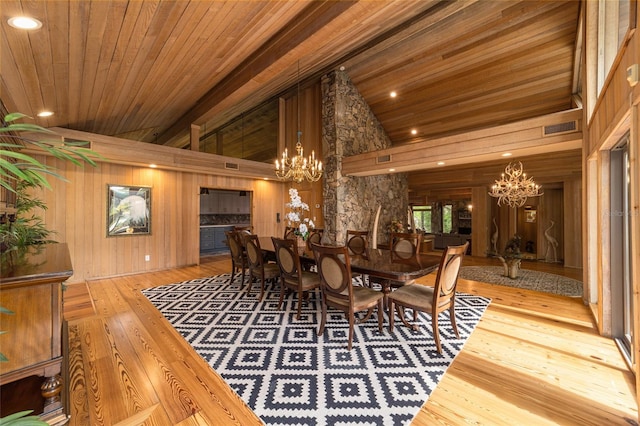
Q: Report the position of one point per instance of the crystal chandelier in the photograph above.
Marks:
(514, 187)
(299, 168)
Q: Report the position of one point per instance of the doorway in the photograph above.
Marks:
(528, 231)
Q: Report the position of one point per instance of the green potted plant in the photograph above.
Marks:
(22, 173)
(22, 418)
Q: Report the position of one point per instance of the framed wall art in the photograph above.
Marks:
(530, 216)
(128, 210)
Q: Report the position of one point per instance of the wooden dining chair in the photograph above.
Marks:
(246, 229)
(432, 300)
(292, 275)
(405, 245)
(258, 267)
(357, 241)
(289, 232)
(338, 290)
(238, 255)
(315, 236)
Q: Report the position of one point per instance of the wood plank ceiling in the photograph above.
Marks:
(147, 70)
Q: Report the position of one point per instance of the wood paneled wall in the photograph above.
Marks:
(77, 212)
(615, 113)
(77, 208)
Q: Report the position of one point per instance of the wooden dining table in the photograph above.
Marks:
(379, 263)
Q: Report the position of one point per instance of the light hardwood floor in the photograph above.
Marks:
(534, 359)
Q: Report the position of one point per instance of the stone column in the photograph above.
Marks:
(348, 128)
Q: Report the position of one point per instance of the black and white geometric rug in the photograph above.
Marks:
(290, 376)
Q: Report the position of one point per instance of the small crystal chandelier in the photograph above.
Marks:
(514, 187)
(299, 168)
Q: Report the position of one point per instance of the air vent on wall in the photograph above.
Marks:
(231, 166)
(383, 159)
(554, 129)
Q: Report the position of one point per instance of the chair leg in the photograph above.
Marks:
(249, 284)
(392, 315)
(436, 333)
(351, 322)
(281, 295)
(233, 270)
(324, 318)
(300, 297)
(261, 288)
(380, 310)
(401, 314)
(452, 315)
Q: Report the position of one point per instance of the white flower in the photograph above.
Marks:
(296, 201)
(293, 217)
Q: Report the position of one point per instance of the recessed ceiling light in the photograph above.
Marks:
(393, 94)
(392, 170)
(153, 166)
(414, 132)
(45, 114)
(440, 163)
(24, 23)
(507, 154)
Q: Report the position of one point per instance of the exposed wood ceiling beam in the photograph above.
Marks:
(315, 16)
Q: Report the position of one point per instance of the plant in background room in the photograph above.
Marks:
(295, 216)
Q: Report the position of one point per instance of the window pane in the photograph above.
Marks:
(422, 218)
(252, 136)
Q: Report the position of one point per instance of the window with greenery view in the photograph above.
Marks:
(422, 218)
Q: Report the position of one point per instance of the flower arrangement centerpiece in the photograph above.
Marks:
(396, 226)
(296, 218)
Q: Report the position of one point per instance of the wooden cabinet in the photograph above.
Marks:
(31, 287)
(225, 202)
(213, 238)
(219, 237)
(209, 203)
(207, 237)
(233, 202)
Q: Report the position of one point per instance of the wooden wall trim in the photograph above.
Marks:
(522, 138)
(141, 154)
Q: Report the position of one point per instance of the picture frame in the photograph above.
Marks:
(530, 216)
(128, 210)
